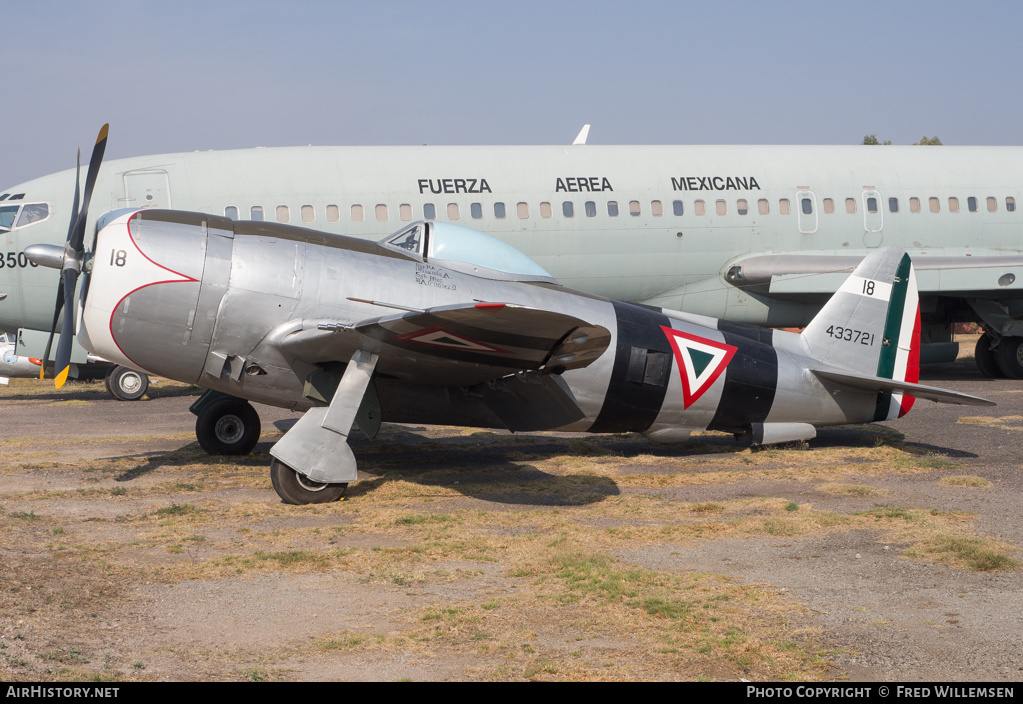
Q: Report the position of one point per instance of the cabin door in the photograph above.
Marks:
(148, 188)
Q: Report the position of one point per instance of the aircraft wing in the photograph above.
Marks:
(794, 274)
(457, 345)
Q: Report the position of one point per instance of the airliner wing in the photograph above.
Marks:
(793, 274)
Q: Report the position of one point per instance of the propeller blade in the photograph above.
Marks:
(90, 181)
(53, 327)
(62, 364)
(60, 286)
(74, 253)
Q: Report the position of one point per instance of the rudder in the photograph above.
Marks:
(871, 326)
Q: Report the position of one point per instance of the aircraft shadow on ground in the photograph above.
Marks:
(499, 467)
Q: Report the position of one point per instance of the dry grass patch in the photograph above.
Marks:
(964, 480)
(861, 490)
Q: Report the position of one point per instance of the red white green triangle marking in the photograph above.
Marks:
(700, 362)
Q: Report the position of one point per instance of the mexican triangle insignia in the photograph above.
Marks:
(700, 362)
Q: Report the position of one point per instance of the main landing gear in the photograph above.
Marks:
(1000, 358)
(225, 425)
(296, 488)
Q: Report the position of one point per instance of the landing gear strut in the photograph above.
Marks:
(227, 426)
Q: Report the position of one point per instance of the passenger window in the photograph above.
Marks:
(971, 204)
(871, 204)
(677, 208)
(591, 209)
(829, 206)
(720, 207)
(333, 213)
(953, 205)
(1010, 204)
(545, 210)
(567, 209)
(784, 207)
(283, 214)
(405, 212)
(357, 214)
(914, 205)
(256, 213)
(231, 211)
(308, 213)
(656, 209)
(850, 206)
(700, 208)
(992, 205)
(893, 205)
(476, 211)
(763, 206)
(453, 211)
(523, 210)
(612, 208)
(934, 205)
(807, 205)
(499, 212)
(429, 211)
(634, 208)
(381, 212)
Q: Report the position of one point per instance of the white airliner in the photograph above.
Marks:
(758, 234)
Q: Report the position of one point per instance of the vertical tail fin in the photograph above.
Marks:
(871, 326)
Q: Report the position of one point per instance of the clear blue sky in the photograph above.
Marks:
(186, 75)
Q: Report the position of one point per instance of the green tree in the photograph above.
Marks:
(933, 141)
(872, 139)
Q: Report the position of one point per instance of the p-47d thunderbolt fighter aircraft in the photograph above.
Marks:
(442, 324)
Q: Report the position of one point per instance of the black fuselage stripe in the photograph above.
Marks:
(751, 378)
(630, 406)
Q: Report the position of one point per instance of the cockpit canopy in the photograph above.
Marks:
(467, 251)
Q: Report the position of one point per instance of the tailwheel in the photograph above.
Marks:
(296, 488)
(126, 384)
(229, 426)
(987, 358)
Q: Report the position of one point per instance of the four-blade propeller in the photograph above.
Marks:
(71, 264)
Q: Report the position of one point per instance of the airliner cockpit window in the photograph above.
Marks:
(7, 215)
(33, 213)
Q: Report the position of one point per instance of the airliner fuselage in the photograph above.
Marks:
(758, 234)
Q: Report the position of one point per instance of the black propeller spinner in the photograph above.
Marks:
(71, 265)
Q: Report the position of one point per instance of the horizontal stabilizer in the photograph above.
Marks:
(875, 383)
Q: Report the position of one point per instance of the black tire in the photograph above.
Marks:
(987, 359)
(229, 426)
(297, 489)
(126, 384)
(1010, 357)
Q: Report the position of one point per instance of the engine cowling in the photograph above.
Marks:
(156, 282)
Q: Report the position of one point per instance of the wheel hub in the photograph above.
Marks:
(130, 382)
(229, 429)
(308, 484)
